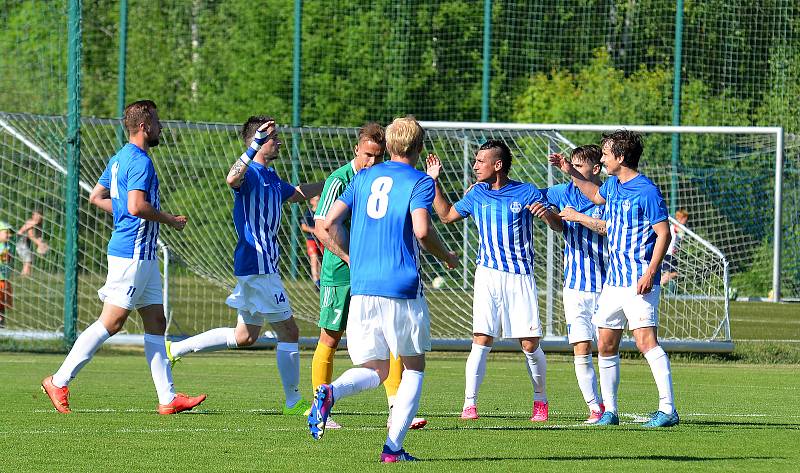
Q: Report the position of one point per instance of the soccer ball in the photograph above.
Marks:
(437, 282)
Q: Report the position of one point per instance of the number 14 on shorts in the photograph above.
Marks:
(279, 298)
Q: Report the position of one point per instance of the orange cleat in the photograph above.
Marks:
(58, 396)
(181, 403)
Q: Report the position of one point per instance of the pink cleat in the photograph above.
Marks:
(594, 416)
(389, 456)
(418, 423)
(469, 413)
(541, 411)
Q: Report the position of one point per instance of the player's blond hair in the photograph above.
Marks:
(404, 137)
(681, 213)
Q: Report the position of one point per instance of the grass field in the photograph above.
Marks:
(734, 417)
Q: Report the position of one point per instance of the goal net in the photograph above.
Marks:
(194, 158)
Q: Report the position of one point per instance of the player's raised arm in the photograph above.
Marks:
(444, 209)
(429, 239)
(587, 187)
(138, 206)
(100, 197)
(335, 236)
(239, 168)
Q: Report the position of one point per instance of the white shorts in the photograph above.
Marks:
(618, 305)
(505, 301)
(579, 308)
(378, 326)
(260, 298)
(132, 283)
(24, 250)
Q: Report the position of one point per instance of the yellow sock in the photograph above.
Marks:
(392, 383)
(322, 365)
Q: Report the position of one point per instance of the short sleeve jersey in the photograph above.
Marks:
(585, 252)
(632, 208)
(128, 170)
(335, 272)
(257, 217)
(384, 254)
(505, 227)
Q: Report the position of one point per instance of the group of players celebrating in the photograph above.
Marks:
(373, 217)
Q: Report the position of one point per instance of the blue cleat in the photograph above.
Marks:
(608, 418)
(320, 410)
(662, 419)
(389, 456)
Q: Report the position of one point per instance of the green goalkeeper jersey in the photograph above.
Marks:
(335, 272)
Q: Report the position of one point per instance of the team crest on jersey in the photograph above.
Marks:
(597, 213)
(626, 205)
(515, 207)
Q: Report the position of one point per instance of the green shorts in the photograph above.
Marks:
(334, 304)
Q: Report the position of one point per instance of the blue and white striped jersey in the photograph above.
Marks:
(585, 252)
(257, 216)
(632, 209)
(131, 169)
(504, 225)
(384, 253)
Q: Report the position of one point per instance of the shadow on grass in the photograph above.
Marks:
(672, 458)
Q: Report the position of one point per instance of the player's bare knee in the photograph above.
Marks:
(286, 330)
(330, 338)
(529, 345)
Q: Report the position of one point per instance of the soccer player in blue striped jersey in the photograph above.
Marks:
(505, 302)
(389, 209)
(585, 263)
(128, 189)
(259, 295)
(638, 238)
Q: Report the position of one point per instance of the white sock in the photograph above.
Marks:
(156, 353)
(214, 339)
(474, 373)
(353, 381)
(587, 381)
(288, 357)
(82, 351)
(537, 370)
(659, 365)
(405, 408)
(609, 380)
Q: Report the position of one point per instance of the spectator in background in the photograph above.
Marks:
(313, 246)
(669, 269)
(6, 254)
(31, 231)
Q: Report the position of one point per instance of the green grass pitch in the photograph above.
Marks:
(735, 417)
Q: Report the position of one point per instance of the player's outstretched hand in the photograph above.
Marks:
(645, 284)
(558, 160)
(266, 126)
(433, 166)
(179, 222)
(538, 209)
(452, 260)
(569, 214)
